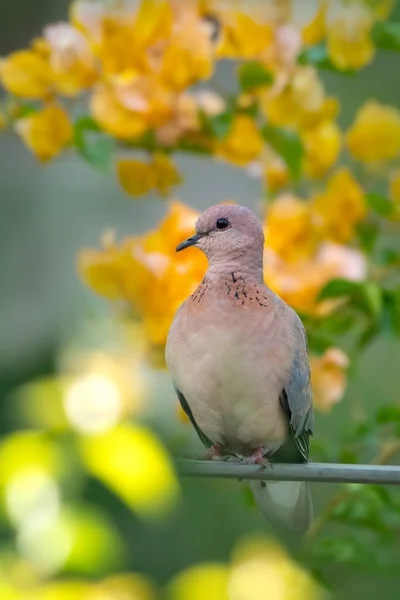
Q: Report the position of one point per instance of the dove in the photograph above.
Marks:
(238, 357)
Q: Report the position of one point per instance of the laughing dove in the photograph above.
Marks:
(238, 359)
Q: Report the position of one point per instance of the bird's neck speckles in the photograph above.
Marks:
(235, 289)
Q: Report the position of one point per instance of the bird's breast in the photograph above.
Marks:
(231, 375)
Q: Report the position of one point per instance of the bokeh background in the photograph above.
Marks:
(51, 323)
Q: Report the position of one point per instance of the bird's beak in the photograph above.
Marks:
(192, 241)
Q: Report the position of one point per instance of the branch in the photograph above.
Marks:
(316, 472)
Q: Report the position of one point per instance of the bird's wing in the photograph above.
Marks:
(208, 443)
(296, 397)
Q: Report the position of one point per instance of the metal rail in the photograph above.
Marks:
(316, 472)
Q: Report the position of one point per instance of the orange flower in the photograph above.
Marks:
(375, 134)
(328, 378)
(46, 132)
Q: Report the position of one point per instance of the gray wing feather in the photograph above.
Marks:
(296, 397)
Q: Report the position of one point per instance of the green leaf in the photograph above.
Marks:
(218, 125)
(380, 204)
(339, 287)
(253, 75)
(389, 413)
(318, 57)
(288, 145)
(368, 232)
(386, 35)
(372, 294)
(93, 145)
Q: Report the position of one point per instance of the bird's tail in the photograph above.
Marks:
(286, 504)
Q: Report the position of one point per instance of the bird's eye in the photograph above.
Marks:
(222, 223)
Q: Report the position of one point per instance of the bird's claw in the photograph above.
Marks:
(213, 453)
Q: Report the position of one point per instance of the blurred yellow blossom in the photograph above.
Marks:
(375, 133)
(242, 36)
(300, 101)
(189, 56)
(46, 132)
(132, 462)
(115, 118)
(276, 174)
(328, 377)
(289, 230)
(322, 146)
(132, 586)
(3, 119)
(314, 32)
(71, 62)
(243, 143)
(207, 581)
(138, 178)
(146, 271)
(26, 74)
(349, 41)
(395, 186)
(299, 283)
(260, 564)
(340, 208)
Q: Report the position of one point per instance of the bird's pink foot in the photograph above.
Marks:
(257, 458)
(213, 453)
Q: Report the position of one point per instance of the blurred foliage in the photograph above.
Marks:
(134, 83)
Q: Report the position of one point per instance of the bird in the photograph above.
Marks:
(238, 358)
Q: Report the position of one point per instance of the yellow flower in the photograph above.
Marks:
(299, 283)
(288, 229)
(349, 41)
(3, 119)
(70, 59)
(188, 57)
(138, 178)
(243, 37)
(260, 564)
(395, 186)
(322, 146)
(46, 132)
(394, 193)
(243, 143)
(337, 211)
(115, 118)
(375, 134)
(315, 31)
(301, 100)
(147, 272)
(26, 74)
(207, 581)
(133, 463)
(275, 174)
(184, 120)
(328, 377)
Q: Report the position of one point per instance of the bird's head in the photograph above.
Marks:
(227, 233)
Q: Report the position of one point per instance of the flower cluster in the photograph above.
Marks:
(136, 66)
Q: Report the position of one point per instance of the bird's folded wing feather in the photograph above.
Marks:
(296, 397)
